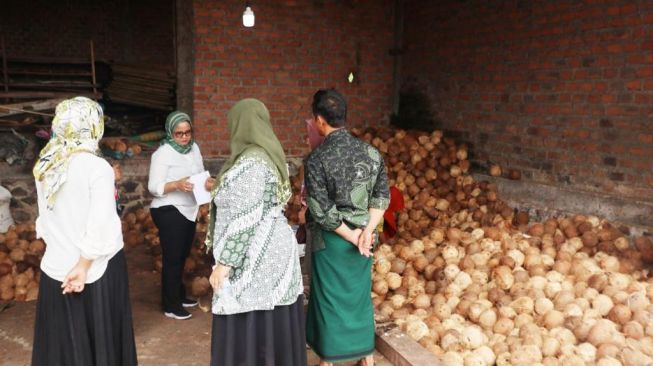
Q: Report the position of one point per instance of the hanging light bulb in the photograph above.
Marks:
(248, 17)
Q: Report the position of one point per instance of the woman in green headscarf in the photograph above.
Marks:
(258, 299)
(174, 209)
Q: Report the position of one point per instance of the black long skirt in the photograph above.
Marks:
(260, 338)
(93, 327)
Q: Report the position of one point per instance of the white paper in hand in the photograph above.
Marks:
(202, 196)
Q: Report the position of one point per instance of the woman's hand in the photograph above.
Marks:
(208, 185)
(76, 278)
(301, 216)
(218, 276)
(184, 185)
(365, 242)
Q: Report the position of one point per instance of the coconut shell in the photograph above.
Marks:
(32, 294)
(645, 247)
(5, 268)
(570, 231)
(536, 230)
(200, 286)
(514, 174)
(7, 294)
(590, 239)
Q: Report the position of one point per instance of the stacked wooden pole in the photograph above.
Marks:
(142, 85)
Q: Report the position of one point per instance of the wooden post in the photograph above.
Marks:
(5, 77)
(184, 58)
(93, 68)
(396, 52)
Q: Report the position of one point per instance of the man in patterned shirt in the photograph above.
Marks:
(347, 195)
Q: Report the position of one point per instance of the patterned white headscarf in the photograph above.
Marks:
(78, 126)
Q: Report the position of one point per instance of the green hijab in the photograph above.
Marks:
(252, 135)
(250, 129)
(172, 121)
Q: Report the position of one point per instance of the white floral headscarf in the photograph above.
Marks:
(78, 126)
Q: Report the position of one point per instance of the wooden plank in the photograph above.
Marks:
(36, 94)
(163, 107)
(37, 106)
(5, 77)
(142, 100)
(143, 72)
(12, 71)
(147, 67)
(143, 82)
(142, 78)
(48, 60)
(53, 84)
(140, 90)
(402, 350)
(93, 67)
(144, 97)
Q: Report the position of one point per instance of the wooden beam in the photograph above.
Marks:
(396, 54)
(36, 106)
(36, 94)
(5, 77)
(49, 60)
(402, 350)
(149, 104)
(184, 57)
(93, 67)
(48, 72)
(52, 84)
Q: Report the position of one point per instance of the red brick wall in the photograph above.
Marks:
(122, 30)
(295, 48)
(561, 90)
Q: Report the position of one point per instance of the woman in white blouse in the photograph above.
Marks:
(83, 315)
(174, 209)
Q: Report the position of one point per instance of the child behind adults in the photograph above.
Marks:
(314, 140)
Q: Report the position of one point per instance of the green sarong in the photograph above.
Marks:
(340, 317)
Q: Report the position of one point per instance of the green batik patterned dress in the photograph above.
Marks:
(344, 178)
(252, 236)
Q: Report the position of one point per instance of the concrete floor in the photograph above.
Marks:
(159, 340)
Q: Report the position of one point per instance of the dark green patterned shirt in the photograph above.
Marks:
(345, 177)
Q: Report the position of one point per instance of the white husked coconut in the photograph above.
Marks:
(526, 355)
(416, 329)
(586, 351)
(486, 354)
(472, 337)
(452, 358)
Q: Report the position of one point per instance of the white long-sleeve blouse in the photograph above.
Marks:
(83, 221)
(167, 166)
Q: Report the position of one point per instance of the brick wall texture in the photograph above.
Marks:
(561, 90)
(295, 48)
(122, 30)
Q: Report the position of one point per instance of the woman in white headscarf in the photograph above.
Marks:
(83, 315)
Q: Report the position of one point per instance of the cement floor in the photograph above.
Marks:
(159, 340)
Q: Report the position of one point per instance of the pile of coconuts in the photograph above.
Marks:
(476, 283)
